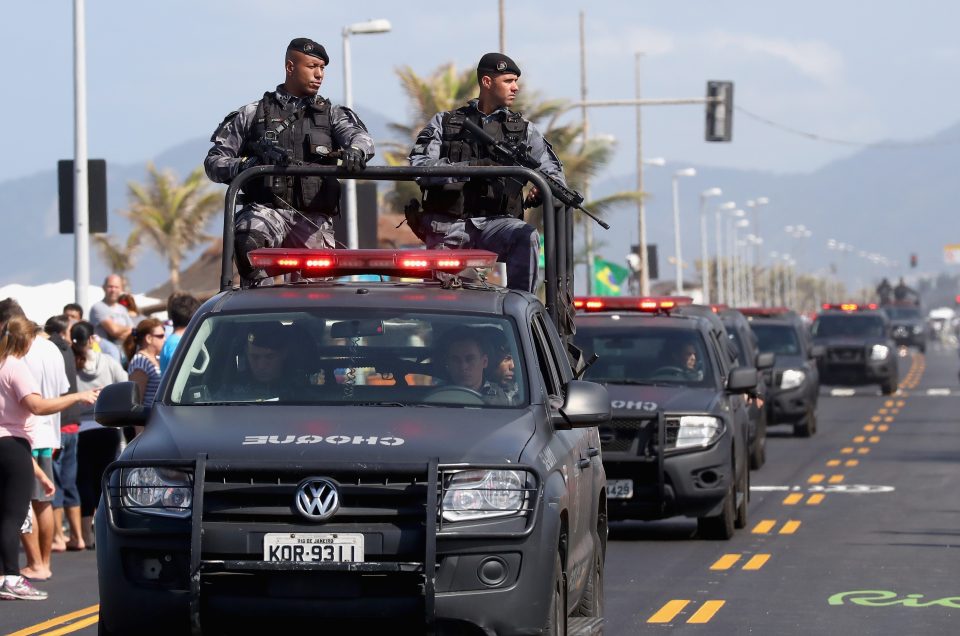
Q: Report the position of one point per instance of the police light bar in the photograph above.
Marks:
(849, 306)
(407, 263)
(718, 307)
(650, 304)
(764, 312)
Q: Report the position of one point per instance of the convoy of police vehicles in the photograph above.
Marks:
(430, 452)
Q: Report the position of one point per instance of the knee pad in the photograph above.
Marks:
(244, 243)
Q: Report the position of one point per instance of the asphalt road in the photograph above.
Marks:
(853, 531)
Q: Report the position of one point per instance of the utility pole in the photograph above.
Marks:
(503, 35)
(81, 214)
(588, 233)
(641, 205)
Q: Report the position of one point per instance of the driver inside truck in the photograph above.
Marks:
(464, 361)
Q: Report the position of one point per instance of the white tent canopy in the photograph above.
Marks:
(39, 302)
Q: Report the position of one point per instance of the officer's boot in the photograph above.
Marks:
(244, 243)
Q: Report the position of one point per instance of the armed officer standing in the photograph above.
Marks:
(291, 125)
(483, 213)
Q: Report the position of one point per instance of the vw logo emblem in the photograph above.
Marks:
(317, 498)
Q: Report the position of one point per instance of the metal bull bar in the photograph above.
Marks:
(557, 227)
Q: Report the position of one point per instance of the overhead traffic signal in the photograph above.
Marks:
(719, 111)
(913, 260)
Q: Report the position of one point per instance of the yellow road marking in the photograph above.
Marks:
(869, 428)
(668, 612)
(882, 411)
(725, 562)
(883, 428)
(833, 462)
(888, 403)
(900, 403)
(815, 499)
(875, 418)
(705, 613)
(790, 527)
(836, 479)
(851, 462)
(59, 620)
(764, 526)
(846, 450)
(863, 451)
(793, 499)
(888, 419)
(86, 622)
(756, 562)
(816, 479)
(894, 411)
(874, 439)
(859, 439)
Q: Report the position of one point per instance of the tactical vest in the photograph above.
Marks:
(477, 197)
(301, 133)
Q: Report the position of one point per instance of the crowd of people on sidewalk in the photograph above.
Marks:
(52, 451)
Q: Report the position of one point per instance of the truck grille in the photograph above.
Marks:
(268, 497)
(845, 354)
(625, 435)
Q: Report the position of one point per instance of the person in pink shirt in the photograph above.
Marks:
(19, 399)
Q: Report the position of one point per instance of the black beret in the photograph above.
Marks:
(496, 64)
(309, 47)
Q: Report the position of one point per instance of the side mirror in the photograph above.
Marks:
(766, 360)
(742, 379)
(587, 404)
(818, 351)
(119, 405)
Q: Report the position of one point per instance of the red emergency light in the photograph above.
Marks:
(649, 304)
(718, 307)
(849, 306)
(409, 263)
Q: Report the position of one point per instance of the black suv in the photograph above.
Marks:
(691, 459)
(908, 326)
(857, 346)
(399, 455)
(794, 381)
(748, 354)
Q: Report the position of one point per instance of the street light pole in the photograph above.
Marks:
(704, 257)
(686, 172)
(641, 209)
(754, 205)
(350, 187)
(81, 215)
(721, 275)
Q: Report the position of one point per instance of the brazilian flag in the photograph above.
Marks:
(610, 279)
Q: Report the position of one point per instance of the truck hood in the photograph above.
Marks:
(635, 400)
(374, 434)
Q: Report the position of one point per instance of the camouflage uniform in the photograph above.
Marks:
(515, 242)
(278, 223)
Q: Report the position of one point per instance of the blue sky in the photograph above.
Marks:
(164, 72)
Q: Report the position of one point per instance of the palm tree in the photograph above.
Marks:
(172, 215)
(119, 258)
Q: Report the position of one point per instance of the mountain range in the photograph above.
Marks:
(892, 199)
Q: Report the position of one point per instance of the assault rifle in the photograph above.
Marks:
(520, 157)
(275, 154)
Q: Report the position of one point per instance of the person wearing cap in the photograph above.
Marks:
(290, 125)
(483, 213)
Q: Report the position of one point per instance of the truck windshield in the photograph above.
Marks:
(828, 326)
(637, 355)
(778, 339)
(345, 357)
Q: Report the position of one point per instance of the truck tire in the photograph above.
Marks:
(741, 519)
(758, 453)
(720, 527)
(889, 388)
(557, 613)
(591, 603)
(807, 426)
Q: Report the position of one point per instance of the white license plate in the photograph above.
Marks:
(313, 547)
(620, 489)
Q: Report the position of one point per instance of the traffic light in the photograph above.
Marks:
(96, 195)
(913, 260)
(719, 111)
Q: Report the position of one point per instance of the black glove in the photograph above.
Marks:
(353, 159)
(248, 162)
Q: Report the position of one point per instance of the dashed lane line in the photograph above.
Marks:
(725, 562)
(816, 479)
(706, 612)
(756, 562)
(790, 527)
(793, 499)
(815, 499)
(668, 612)
(835, 479)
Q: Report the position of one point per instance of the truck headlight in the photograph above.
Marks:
(879, 352)
(483, 494)
(698, 430)
(158, 491)
(792, 378)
